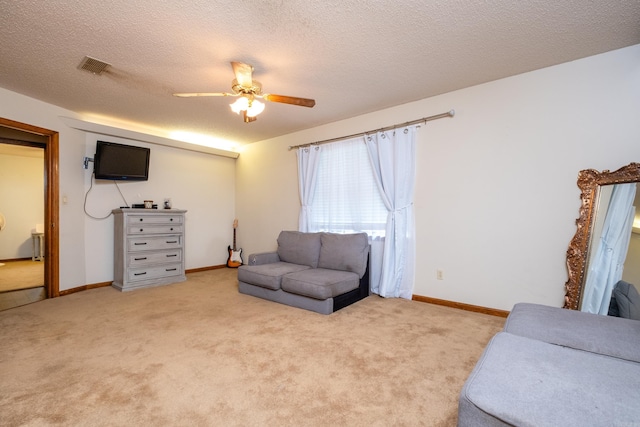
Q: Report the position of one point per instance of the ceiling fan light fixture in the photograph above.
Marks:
(248, 119)
(241, 104)
(255, 108)
(249, 108)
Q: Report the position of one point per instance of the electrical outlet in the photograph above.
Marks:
(439, 274)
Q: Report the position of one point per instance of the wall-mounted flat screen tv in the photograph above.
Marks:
(121, 162)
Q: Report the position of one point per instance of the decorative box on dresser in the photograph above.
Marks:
(148, 248)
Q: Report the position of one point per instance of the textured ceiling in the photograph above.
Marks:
(351, 56)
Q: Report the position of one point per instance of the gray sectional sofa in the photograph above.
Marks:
(321, 272)
(556, 367)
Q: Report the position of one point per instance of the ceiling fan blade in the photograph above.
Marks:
(191, 94)
(243, 73)
(303, 102)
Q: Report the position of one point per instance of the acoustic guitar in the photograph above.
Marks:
(235, 255)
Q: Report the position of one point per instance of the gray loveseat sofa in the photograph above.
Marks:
(556, 367)
(321, 272)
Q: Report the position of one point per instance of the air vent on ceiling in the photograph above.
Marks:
(93, 65)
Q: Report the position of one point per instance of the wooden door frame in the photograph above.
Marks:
(51, 203)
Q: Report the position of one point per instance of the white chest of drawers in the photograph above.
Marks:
(148, 248)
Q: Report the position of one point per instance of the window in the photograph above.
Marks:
(347, 199)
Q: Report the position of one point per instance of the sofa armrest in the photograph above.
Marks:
(263, 258)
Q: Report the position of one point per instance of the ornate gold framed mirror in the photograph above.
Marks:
(590, 183)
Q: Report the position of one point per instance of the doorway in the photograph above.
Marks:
(21, 134)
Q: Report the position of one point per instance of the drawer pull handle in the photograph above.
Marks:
(171, 219)
(141, 243)
(171, 269)
(171, 229)
(140, 259)
(141, 220)
(140, 274)
(172, 241)
(142, 229)
(171, 255)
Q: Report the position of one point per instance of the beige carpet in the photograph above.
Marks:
(199, 353)
(21, 275)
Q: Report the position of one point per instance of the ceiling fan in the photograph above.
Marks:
(247, 89)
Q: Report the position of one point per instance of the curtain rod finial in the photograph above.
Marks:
(452, 112)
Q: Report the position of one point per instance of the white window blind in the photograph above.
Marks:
(347, 199)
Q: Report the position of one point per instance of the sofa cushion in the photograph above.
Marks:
(627, 299)
(320, 283)
(287, 298)
(611, 336)
(299, 248)
(346, 252)
(523, 382)
(267, 275)
(263, 258)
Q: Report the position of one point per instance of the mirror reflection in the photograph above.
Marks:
(613, 245)
(603, 258)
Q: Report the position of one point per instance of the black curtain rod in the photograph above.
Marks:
(449, 113)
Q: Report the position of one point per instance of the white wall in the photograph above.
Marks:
(21, 203)
(203, 184)
(23, 109)
(496, 199)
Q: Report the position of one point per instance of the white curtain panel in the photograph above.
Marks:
(607, 266)
(346, 198)
(392, 156)
(376, 258)
(308, 159)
